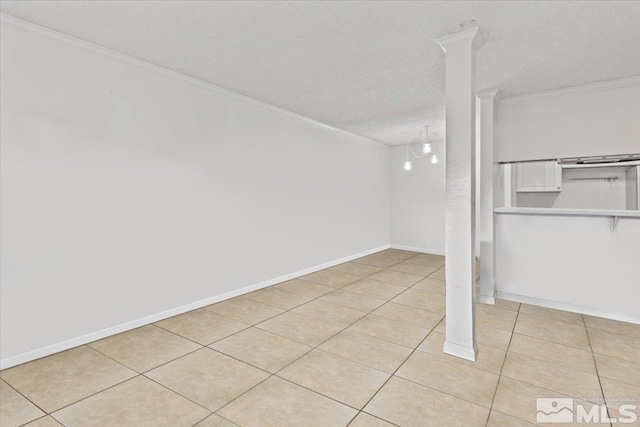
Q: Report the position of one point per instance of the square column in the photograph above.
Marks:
(460, 187)
(489, 174)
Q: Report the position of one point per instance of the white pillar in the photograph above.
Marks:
(489, 173)
(460, 186)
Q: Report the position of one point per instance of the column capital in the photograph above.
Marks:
(472, 36)
(490, 95)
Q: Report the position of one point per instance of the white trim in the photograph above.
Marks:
(460, 351)
(591, 87)
(567, 307)
(472, 36)
(94, 336)
(70, 41)
(600, 165)
(416, 249)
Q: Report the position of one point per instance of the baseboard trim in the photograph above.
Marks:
(103, 333)
(460, 351)
(574, 308)
(416, 249)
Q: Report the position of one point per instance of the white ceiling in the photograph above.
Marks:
(372, 68)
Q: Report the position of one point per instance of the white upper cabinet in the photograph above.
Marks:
(538, 176)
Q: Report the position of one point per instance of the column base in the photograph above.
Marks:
(487, 299)
(487, 278)
(463, 352)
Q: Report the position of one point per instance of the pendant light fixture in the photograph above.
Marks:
(426, 149)
(407, 163)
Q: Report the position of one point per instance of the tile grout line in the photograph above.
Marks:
(636, 337)
(28, 400)
(302, 355)
(595, 364)
(38, 419)
(432, 388)
(401, 364)
(544, 339)
(506, 352)
(365, 314)
(373, 416)
(156, 367)
(138, 374)
(285, 379)
(314, 348)
(394, 372)
(92, 394)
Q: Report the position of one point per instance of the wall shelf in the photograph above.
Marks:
(592, 178)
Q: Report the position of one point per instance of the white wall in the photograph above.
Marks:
(128, 192)
(573, 263)
(591, 120)
(417, 201)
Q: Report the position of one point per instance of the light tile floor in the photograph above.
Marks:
(358, 344)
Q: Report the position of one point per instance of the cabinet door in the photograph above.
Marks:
(539, 176)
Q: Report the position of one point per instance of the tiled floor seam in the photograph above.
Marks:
(399, 321)
(180, 394)
(86, 397)
(18, 391)
(37, 419)
(546, 340)
(165, 363)
(284, 367)
(437, 390)
(231, 318)
(162, 364)
(314, 348)
(371, 415)
(391, 376)
(394, 374)
(421, 385)
(595, 364)
(91, 395)
(608, 331)
(365, 314)
(506, 352)
(293, 361)
(128, 379)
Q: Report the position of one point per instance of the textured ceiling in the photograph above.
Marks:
(372, 68)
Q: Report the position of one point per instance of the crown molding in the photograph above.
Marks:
(472, 36)
(590, 87)
(82, 45)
